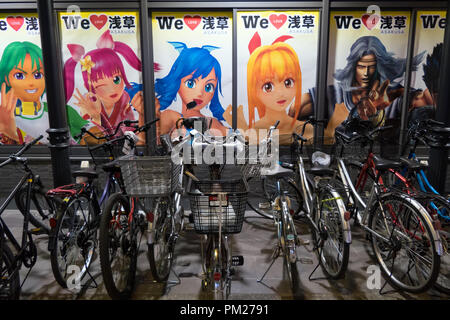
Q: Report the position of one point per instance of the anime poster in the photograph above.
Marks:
(430, 28)
(102, 70)
(24, 113)
(193, 78)
(366, 68)
(277, 63)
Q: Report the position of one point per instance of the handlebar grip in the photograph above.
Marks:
(299, 137)
(432, 121)
(28, 146)
(128, 123)
(146, 126)
(276, 124)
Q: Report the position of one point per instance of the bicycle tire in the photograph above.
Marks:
(160, 250)
(74, 248)
(11, 290)
(41, 207)
(330, 221)
(408, 214)
(268, 186)
(116, 217)
(443, 281)
(288, 244)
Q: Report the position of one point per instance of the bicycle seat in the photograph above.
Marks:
(320, 171)
(88, 173)
(385, 164)
(276, 170)
(112, 166)
(412, 164)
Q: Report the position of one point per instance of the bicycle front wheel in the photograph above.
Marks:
(160, 250)
(404, 243)
(74, 243)
(118, 247)
(439, 208)
(9, 275)
(289, 246)
(333, 249)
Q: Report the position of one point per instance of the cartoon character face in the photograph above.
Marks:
(277, 94)
(27, 80)
(109, 89)
(365, 69)
(201, 90)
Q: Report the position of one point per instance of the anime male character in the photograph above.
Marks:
(23, 112)
(368, 84)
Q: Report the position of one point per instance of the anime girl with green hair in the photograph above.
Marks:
(23, 113)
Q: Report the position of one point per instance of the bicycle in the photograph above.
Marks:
(397, 224)
(432, 134)
(324, 206)
(25, 251)
(73, 238)
(128, 213)
(217, 207)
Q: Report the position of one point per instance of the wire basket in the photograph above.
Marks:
(209, 209)
(149, 176)
(103, 153)
(256, 158)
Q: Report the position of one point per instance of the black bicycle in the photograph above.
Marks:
(25, 251)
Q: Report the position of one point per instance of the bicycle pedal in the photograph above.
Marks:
(37, 231)
(237, 260)
(303, 242)
(305, 261)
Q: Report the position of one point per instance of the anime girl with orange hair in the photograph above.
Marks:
(274, 83)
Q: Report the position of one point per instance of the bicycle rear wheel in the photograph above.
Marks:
(160, 250)
(407, 254)
(74, 242)
(333, 250)
(9, 275)
(118, 247)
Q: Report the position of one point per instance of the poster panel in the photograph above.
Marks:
(366, 67)
(23, 109)
(277, 63)
(429, 37)
(102, 70)
(193, 78)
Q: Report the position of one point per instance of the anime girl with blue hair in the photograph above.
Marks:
(196, 77)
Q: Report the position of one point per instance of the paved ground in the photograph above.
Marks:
(255, 243)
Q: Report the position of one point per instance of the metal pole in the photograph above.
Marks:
(321, 91)
(437, 170)
(148, 75)
(58, 131)
(406, 100)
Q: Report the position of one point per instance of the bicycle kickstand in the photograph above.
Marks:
(275, 255)
(317, 267)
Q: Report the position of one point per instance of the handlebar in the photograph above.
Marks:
(358, 135)
(16, 156)
(126, 123)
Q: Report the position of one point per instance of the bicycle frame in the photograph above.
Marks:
(28, 178)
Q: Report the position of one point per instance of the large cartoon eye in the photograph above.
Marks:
(190, 83)
(267, 87)
(117, 80)
(209, 87)
(19, 76)
(289, 83)
(38, 75)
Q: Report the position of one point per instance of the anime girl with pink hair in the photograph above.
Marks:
(107, 101)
